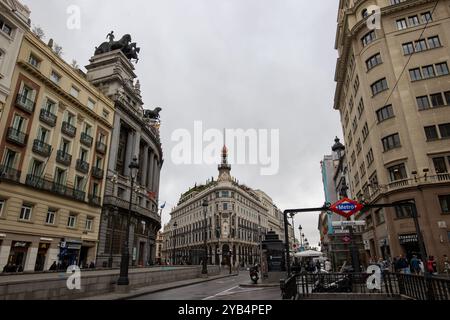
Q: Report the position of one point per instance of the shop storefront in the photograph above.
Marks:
(69, 252)
(410, 245)
(384, 248)
(41, 256)
(18, 254)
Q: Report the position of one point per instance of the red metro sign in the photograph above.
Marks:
(346, 207)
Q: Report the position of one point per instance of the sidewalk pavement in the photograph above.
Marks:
(55, 275)
(136, 292)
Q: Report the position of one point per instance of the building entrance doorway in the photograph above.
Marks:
(18, 254)
(40, 259)
(83, 257)
(141, 254)
(410, 245)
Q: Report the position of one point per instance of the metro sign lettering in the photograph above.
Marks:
(346, 207)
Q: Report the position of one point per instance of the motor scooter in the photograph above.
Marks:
(254, 274)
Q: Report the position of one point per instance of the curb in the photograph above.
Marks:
(150, 291)
(262, 285)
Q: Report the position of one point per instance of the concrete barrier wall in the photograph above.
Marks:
(93, 283)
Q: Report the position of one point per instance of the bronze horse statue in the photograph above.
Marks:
(123, 44)
(152, 114)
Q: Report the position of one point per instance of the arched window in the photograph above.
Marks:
(365, 13)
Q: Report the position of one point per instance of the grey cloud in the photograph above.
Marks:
(231, 63)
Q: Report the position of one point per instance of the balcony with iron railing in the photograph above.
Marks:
(78, 194)
(100, 147)
(376, 190)
(42, 148)
(17, 137)
(24, 103)
(54, 187)
(97, 173)
(10, 174)
(399, 183)
(64, 158)
(86, 139)
(82, 166)
(95, 200)
(124, 204)
(68, 129)
(48, 117)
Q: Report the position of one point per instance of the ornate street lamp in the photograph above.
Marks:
(205, 243)
(301, 239)
(175, 225)
(124, 263)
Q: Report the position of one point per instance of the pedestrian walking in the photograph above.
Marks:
(415, 265)
(53, 267)
(446, 265)
(403, 265)
(327, 266)
(432, 265)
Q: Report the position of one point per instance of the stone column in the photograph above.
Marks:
(137, 144)
(4, 253)
(31, 259)
(144, 166)
(150, 170)
(52, 255)
(114, 143)
(155, 171)
(158, 172)
(129, 153)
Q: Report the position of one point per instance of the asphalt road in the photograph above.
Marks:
(220, 289)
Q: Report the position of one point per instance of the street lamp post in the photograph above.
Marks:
(339, 148)
(293, 227)
(301, 238)
(124, 263)
(175, 225)
(113, 222)
(229, 260)
(205, 243)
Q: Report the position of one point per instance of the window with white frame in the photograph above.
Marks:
(55, 77)
(34, 61)
(74, 92)
(89, 224)
(25, 212)
(2, 206)
(91, 104)
(72, 220)
(50, 218)
(5, 27)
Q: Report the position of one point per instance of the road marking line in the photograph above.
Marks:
(227, 292)
(210, 297)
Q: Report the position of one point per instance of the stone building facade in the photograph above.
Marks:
(134, 135)
(393, 96)
(14, 21)
(54, 147)
(237, 219)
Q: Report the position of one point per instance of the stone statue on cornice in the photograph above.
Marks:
(129, 49)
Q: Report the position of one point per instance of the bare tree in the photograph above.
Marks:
(74, 64)
(39, 32)
(58, 50)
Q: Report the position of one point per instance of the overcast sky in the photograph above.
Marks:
(250, 64)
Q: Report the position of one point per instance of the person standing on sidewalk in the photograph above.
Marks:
(432, 265)
(446, 268)
(415, 265)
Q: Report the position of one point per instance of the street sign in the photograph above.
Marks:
(348, 223)
(346, 207)
(340, 231)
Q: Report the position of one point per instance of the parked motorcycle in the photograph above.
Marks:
(254, 274)
(341, 284)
